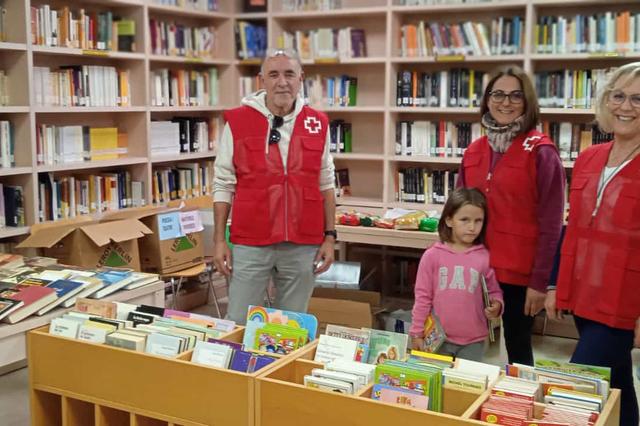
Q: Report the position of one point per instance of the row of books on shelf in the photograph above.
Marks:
(187, 180)
(326, 43)
(174, 39)
(341, 136)
(185, 134)
(169, 333)
(505, 36)
(570, 88)
(11, 206)
(61, 197)
(331, 91)
(424, 186)
(611, 31)
(573, 138)
(435, 138)
(457, 87)
(251, 39)
(82, 85)
(248, 85)
(70, 144)
(184, 87)
(202, 5)
(307, 5)
(571, 394)
(36, 285)
(81, 29)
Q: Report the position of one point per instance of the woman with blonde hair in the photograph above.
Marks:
(599, 275)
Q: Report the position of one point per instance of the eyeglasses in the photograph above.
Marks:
(617, 97)
(274, 134)
(515, 97)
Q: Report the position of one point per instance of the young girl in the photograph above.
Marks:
(449, 279)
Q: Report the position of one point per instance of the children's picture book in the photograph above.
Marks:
(400, 396)
(387, 345)
(434, 335)
(331, 348)
(278, 316)
(361, 336)
(279, 339)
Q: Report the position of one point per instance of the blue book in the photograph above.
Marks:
(241, 361)
(64, 290)
(261, 361)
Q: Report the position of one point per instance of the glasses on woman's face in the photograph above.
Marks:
(274, 134)
(617, 97)
(515, 97)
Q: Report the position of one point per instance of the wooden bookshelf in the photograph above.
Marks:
(371, 164)
(167, 391)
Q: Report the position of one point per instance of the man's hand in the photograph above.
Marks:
(553, 313)
(325, 256)
(222, 258)
(493, 310)
(534, 302)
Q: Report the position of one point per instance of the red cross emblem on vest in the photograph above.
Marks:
(527, 146)
(312, 124)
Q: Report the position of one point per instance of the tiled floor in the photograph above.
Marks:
(14, 394)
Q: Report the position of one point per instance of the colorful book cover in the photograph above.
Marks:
(278, 316)
(387, 345)
(361, 336)
(434, 335)
(400, 396)
(279, 339)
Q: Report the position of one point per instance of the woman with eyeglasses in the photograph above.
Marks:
(599, 275)
(520, 172)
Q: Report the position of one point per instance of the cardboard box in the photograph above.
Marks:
(205, 205)
(167, 249)
(350, 308)
(90, 244)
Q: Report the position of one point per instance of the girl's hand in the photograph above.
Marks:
(550, 306)
(493, 310)
(417, 343)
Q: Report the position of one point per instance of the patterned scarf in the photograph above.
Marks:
(500, 137)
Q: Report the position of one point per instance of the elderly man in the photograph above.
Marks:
(274, 171)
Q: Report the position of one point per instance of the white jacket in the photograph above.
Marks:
(224, 182)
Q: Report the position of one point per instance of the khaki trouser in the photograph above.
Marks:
(291, 267)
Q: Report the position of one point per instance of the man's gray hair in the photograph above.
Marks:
(289, 53)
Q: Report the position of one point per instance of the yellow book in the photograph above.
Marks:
(103, 143)
(429, 355)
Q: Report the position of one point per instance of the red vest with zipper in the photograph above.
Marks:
(271, 204)
(599, 277)
(512, 197)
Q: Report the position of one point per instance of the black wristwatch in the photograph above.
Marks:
(332, 233)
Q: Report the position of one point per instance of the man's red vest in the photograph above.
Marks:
(599, 277)
(512, 197)
(271, 204)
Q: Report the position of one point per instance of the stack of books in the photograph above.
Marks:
(35, 286)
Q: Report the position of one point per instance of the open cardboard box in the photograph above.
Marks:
(166, 249)
(350, 308)
(84, 242)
